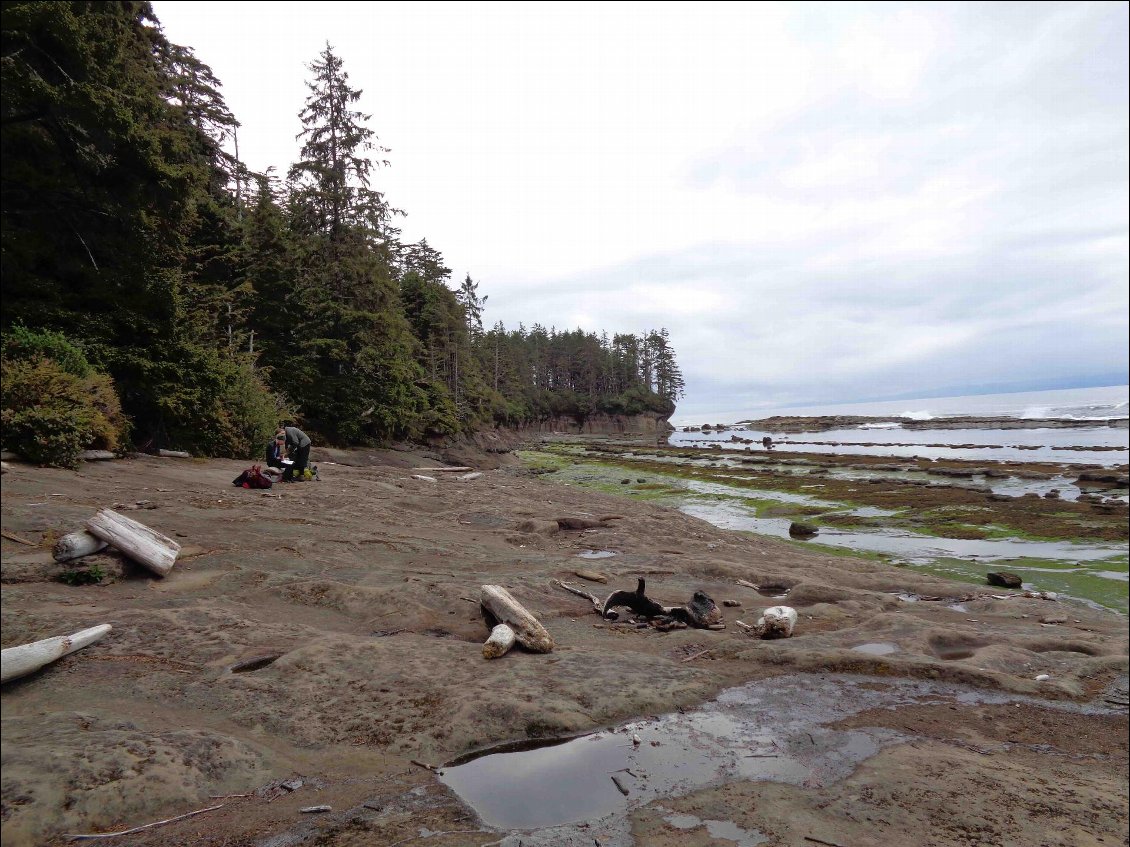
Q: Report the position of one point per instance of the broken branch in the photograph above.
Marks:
(82, 836)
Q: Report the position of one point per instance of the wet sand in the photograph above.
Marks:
(365, 584)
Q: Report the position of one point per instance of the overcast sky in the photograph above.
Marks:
(822, 203)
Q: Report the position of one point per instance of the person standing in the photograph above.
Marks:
(298, 449)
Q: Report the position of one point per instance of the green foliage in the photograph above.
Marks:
(83, 576)
(50, 415)
(21, 343)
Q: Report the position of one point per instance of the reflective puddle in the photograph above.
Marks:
(768, 730)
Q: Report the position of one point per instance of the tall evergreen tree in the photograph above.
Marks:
(357, 378)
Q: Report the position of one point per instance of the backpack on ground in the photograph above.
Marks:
(253, 477)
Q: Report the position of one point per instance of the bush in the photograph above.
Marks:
(212, 404)
(54, 404)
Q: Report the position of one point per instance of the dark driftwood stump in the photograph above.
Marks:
(700, 612)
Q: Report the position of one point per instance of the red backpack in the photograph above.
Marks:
(253, 477)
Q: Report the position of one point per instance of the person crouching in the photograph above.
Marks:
(297, 445)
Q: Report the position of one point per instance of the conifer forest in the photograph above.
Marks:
(158, 293)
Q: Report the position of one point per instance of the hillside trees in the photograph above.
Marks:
(219, 300)
(108, 232)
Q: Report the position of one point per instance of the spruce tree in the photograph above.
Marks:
(356, 379)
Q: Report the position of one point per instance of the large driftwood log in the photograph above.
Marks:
(174, 454)
(501, 639)
(142, 544)
(76, 544)
(502, 608)
(28, 658)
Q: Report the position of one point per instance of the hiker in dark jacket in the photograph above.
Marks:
(276, 451)
(298, 449)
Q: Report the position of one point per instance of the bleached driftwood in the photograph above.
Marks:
(174, 454)
(502, 608)
(28, 658)
(467, 477)
(423, 478)
(453, 469)
(142, 544)
(597, 606)
(776, 622)
(76, 544)
(501, 639)
(97, 455)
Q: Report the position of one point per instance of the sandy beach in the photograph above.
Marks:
(362, 589)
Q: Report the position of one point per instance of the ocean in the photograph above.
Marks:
(1084, 404)
(1086, 444)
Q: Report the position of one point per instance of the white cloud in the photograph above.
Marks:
(821, 202)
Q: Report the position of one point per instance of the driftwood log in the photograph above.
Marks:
(777, 622)
(174, 454)
(28, 658)
(137, 541)
(501, 639)
(450, 469)
(97, 455)
(500, 607)
(77, 544)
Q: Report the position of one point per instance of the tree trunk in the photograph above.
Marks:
(77, 544)
(139, 542)
(28, 658)
(502, 608)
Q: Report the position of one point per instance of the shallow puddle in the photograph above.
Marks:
(774, 730)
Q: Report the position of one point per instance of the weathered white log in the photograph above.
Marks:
(505, 609)
(777, 622)
(423, 478)
(28, 658)
(142, 544)
(467, 477)
(174, 454)
(97, 455)
(76, 544)
(501, 639)
(452, 469)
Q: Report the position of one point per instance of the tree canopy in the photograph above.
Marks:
(220, 300)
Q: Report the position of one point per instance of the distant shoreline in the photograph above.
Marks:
(821, 423)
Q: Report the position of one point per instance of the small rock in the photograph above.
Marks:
(1004, 579)
(1043, 677)
(731, 603)
(1053, 619)
(802, 530)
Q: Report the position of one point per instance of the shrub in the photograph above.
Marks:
(208, 403)
(54, 404)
